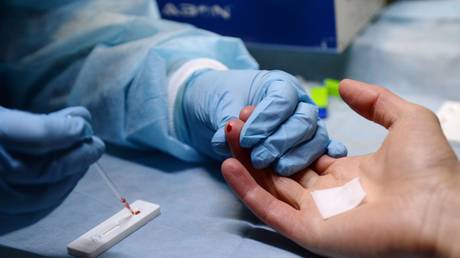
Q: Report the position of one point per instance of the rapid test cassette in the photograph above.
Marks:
(113, 230)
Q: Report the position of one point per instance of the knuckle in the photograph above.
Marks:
(307, 111)
(383, 96)
(385, 91)
(250, 197)
(422, 112)
(272, 145)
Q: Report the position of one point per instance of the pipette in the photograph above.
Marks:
(112, 187)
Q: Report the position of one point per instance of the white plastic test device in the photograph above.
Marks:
(113, 230)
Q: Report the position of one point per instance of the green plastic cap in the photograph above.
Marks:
(320, 96)
(332, 86)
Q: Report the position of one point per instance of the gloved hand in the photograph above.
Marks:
(42, 157)
(284, 129)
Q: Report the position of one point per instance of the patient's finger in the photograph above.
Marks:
(232, 133)
(246, 112)
(272, 211)
(285, 189)
(322, 164)
(307, 177)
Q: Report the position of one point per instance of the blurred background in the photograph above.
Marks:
(404, 45)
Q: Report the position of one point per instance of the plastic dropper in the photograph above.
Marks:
(112, 187)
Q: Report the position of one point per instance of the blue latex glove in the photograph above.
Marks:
(284, 130)
(42, 157)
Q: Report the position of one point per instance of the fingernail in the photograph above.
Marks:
(229, 127)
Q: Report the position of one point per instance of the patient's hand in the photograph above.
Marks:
(412, 183)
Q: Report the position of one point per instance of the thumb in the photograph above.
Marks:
(374, 103)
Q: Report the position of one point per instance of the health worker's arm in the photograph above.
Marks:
(115, 59)
(151, 83)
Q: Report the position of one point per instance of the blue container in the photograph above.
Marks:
(280, 23)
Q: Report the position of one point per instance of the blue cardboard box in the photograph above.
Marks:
(304, 24)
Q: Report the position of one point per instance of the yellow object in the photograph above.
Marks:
(320, 96)
(332, 87)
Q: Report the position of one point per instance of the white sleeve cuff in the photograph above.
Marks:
(180, 76)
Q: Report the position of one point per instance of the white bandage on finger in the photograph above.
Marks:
(336, 200)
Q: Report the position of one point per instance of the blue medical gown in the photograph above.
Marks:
(113, 57)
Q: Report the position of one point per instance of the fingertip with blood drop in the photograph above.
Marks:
(229, 127)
